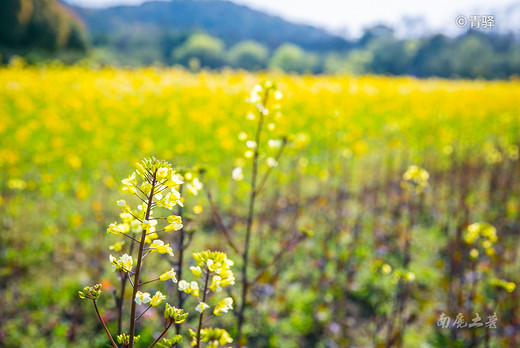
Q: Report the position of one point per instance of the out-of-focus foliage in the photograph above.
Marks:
(206, 49)
(38, 24)
(68, 133)
(292, 58)
(249, 55)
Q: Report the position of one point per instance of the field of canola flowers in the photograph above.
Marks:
(379, 265)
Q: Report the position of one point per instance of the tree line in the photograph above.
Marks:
(44, 29)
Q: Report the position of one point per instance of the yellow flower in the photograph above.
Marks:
(142, 297)
(130, 181)
(415, 179)
(194, 286)
(146, 187)
(123, 206)
(149, 225)
(194, 186)
(174, 180)
(114, 229)
(201, 307)
(124, 263)
(148, 239)
(386, 268)
(169, 275)
(175, 223)
(223, 306)
(116, 246)
(215, 284)
(129, 184)
(177, 314)
(196, 270)
(157, 299)
(237, 174)
(159, 246)
(162, 172)
(184, 286)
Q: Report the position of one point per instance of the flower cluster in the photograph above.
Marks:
(484, 233)
(259, 97)
(415, 179)
(144, 297)
(218, 267)
(404, 276)
(215, 337)
(125, 263)
(90, 292)
(176, 314)
(170, 342)
(125, 339)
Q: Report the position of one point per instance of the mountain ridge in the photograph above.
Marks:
(224, 19)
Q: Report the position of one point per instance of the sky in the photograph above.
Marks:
(348, 18)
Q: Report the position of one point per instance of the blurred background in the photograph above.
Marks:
(403, 37)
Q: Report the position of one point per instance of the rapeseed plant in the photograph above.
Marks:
(159, 188)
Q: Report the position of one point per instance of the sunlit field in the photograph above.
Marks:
(343, 251)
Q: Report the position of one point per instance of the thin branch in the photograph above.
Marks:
(162, 334)
(132, 238)
(249, 227)
(270, 169)
(131, 283)
(218, 219)
(140, 315)
(135, 217)
(104, 325)
(202, 313)
(291, 245)
(150, 281)
(142, 200)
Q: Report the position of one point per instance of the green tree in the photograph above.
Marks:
(474, 57)
(249, 55)
(40, 24)
(208, 50)
(14, 19)
(292, 58)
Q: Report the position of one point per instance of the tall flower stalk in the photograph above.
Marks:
(158, 188)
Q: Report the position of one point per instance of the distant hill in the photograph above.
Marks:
(223, 19)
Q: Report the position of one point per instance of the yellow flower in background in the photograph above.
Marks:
(415, 179)
(117, 246)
